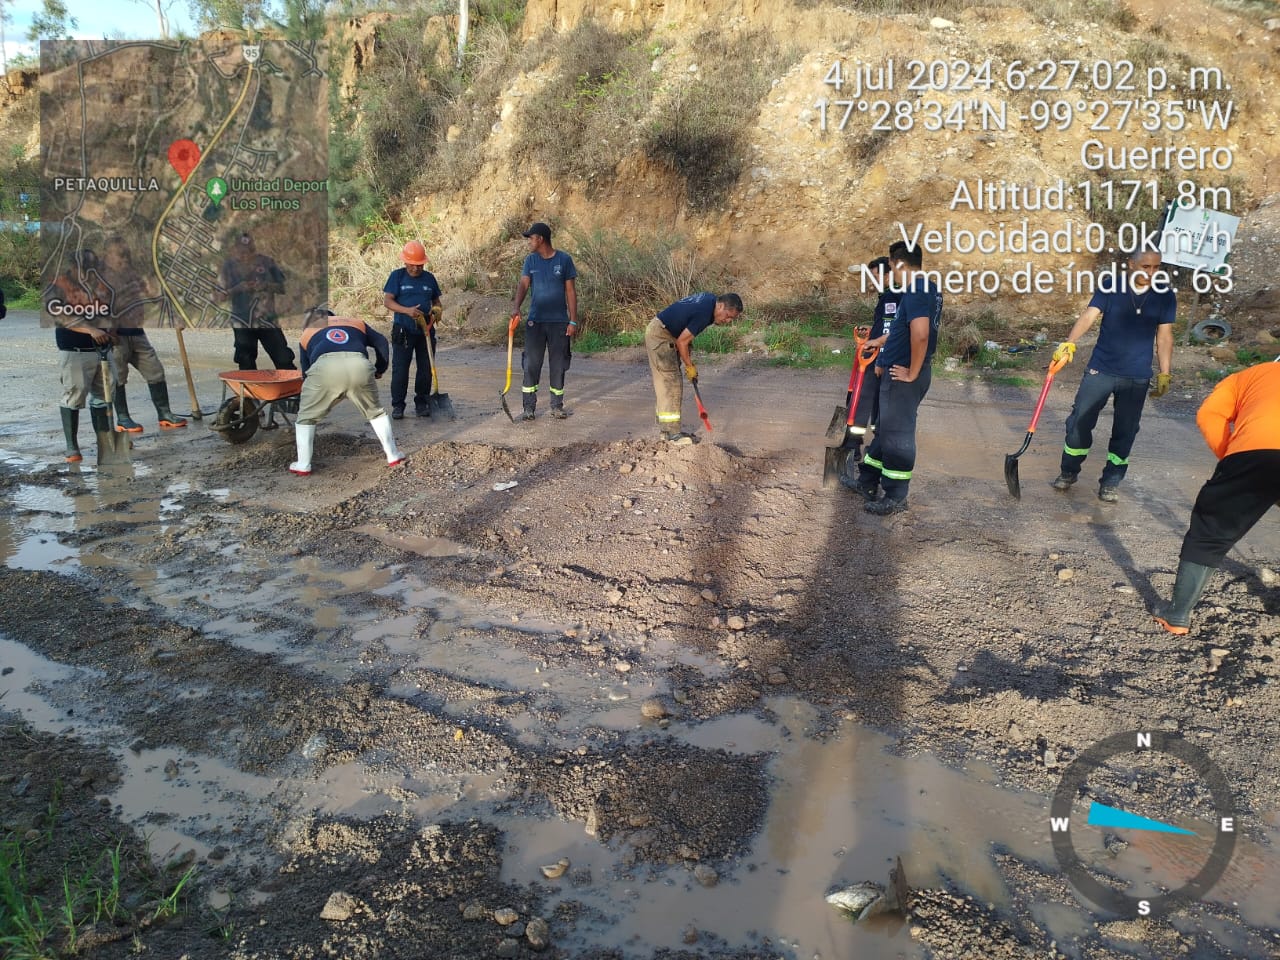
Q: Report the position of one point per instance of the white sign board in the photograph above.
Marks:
(1198, 238)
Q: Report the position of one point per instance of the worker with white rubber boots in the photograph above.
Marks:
(335, 364)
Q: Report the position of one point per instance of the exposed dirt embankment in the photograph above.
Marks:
(810, 203)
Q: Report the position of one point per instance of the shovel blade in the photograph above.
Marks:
(505, 408)
(1011, 475)
(113, 448)
(836, 428)
(832, 464)
(442, 404)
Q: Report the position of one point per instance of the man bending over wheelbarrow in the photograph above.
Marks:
(335, 364)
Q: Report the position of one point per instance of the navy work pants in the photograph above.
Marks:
(410, 346)
(1096, 389)
(549, 340)
(891, 458)
(273, 341)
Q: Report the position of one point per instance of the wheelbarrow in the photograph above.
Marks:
(252, 399)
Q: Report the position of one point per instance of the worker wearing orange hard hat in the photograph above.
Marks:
(413, 297)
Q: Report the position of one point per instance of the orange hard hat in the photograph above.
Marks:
(414, 252)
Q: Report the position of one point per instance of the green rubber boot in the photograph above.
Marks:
(1175, 616)
(70, 430)
(160, 397)
(124, 422)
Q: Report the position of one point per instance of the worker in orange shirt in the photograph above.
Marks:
(1241, 423)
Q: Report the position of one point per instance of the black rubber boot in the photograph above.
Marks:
(1175, 616)
(124, 422)
(100, 419)
(70, 430)
(160, 397)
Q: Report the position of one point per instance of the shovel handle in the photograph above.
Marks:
(511, 339)
(1054, 367)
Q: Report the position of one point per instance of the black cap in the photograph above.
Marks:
(879, 263)
(538, 230)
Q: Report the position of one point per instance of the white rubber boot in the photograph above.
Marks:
(382, 427)
(305, 434)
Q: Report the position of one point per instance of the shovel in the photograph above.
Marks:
(836, 428)
(702, 411)
(437, 399)
(835, 458)
(113, 447)
(1011, 459)
(511, 339)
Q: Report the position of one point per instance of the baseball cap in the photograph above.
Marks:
(538, 230)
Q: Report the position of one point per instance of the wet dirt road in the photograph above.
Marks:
(715, 689)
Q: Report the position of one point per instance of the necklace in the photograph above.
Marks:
(1138, 305)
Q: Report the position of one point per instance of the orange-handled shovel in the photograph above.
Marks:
(1011, 459)
(511, 339)
(840, 416)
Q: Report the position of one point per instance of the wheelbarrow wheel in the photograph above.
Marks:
(237, 420)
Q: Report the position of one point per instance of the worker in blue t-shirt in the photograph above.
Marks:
(412, 295)
(905, 372)
(1143, 308)
(548, 277)
(867, 414)
(667, 340)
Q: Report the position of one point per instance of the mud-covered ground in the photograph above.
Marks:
(370, 706)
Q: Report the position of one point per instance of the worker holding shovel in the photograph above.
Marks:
(1133, 315)
(410, 293)
(80, 304)
(905, 374)
(667, 341)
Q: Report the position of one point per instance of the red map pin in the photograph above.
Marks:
(183, 157)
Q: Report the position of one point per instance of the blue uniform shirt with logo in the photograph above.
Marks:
(921, 299)
(694, 313)
(1125, 336)
(420, 291)
(342, 335)
(547, 277)
(886, 310)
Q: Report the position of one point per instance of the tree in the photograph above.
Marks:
(227, 14)
(52, 22)
(162, 8)
(464, 20)
(4, 18)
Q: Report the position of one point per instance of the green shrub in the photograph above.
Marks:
(580, 123)
(623, 283)
(699, 131)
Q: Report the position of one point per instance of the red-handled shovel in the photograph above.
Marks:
(1011, 459)
(702, 411)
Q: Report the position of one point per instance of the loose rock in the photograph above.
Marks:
(508, 948)
(653, 709)
(736, 623)
(538, 933)
(340, 906)
(705, 875)
(505, 916)
(554, 871)
(1066, 573)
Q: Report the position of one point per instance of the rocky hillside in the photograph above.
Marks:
(805, 204)
(700, 126)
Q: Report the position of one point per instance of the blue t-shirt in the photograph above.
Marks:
(694, 313)
(886, 310)
(1125, 337)
(420, 291)
(921, 299)
(547, 277)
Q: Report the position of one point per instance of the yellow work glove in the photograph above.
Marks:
(1163, 382)
(435, 315)
(691, 372)
(1066, 350)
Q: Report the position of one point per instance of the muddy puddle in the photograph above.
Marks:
(842, 809)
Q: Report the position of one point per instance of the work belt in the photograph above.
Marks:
(79, 349)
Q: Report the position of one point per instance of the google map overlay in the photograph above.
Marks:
(184, 183)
